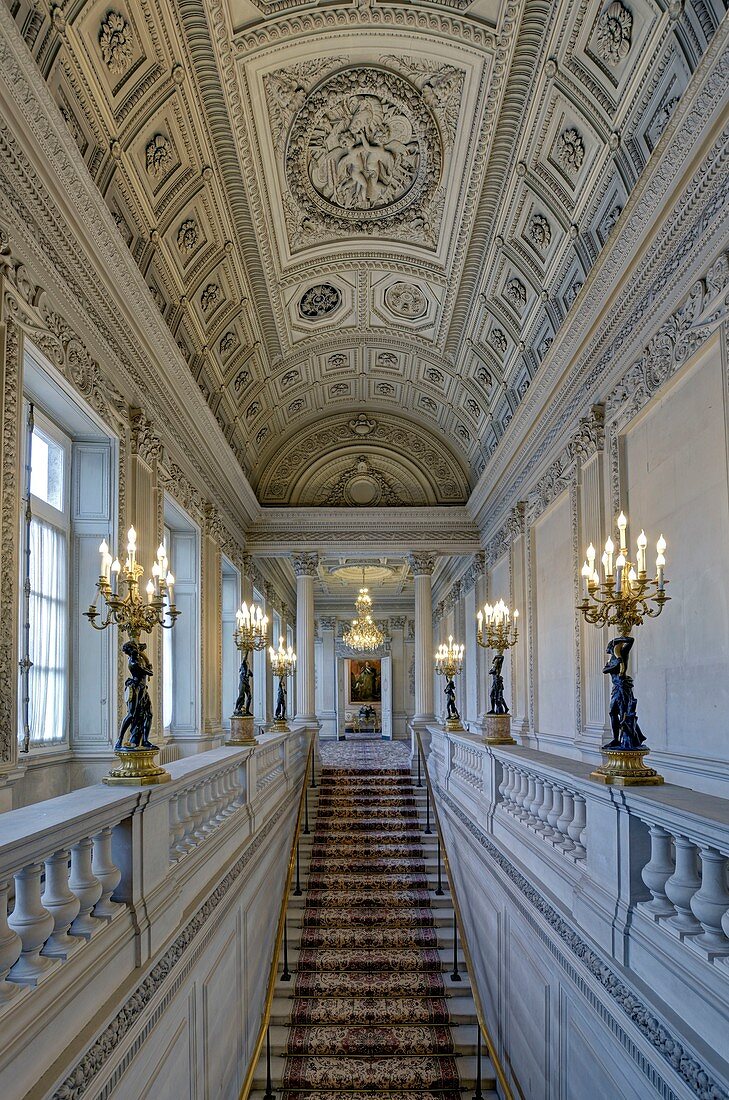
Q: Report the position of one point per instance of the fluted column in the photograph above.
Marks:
(305, 566)
(268, 608)
(421, 566)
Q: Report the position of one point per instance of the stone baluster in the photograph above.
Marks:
(565, 843)
(528, 799)
(682, 885)
(220, 796)
(554, 814)
(657, 872)
(231, 791)
(177, 828)
(536, 802)
(514, 788)
(63, 905)
(545, 808)
(213, 787)
(520, 794)
(87, 889)
(216, 801)
(187, 811)
(504, 783)
(196, 810)
(576, 827)
(11, 946)
(711, 903)
(34, 924)
(107, 873)
(512, 779)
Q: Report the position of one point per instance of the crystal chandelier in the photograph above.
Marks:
(364, 634)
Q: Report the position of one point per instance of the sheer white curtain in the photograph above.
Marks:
(48, 632)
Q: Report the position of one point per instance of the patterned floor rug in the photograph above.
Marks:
(370, 1014)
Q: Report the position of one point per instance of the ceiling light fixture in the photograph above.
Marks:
(364, 634)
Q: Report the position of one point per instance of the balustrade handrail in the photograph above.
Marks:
(665, 804)
(480, 1015)
(60, 822)
(273, 972)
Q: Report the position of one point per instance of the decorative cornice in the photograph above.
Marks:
(587, 439)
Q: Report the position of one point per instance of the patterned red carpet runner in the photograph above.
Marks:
(370, 1014)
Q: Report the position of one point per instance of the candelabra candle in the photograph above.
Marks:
(122, 605)
(623, 599)
(449, 663)
(497, 629)
(251, 628)
(283, 662)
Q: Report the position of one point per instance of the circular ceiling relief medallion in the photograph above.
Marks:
(406, 300)
(319, 301)
(363, 146)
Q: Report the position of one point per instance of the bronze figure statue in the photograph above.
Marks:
(623, 705)
(451, 708)
(245, 690)
(280, 713)
(137, 721)
(498, 703)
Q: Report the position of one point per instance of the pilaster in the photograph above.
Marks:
(422, 566)
(305, 568)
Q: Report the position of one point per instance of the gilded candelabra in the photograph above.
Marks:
(449, 663)
(497, 629)
(283, 662)
(624, 598)
(118, 587)
(251, 630)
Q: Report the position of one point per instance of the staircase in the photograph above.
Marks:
(373, 1006)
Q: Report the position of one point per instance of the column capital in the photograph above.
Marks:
(305, 564)
(328, 622)
(421, 565)
(397, 622)
(246, 565)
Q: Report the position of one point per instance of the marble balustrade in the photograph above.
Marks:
(640, 876)
(94, 884)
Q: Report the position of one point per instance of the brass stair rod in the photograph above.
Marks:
(266, 1014)
(504, 1086)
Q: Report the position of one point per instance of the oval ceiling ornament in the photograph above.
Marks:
(363, 146)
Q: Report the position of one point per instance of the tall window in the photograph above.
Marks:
(167, 673)
(231, 659)
(181, 646)
(48, 611)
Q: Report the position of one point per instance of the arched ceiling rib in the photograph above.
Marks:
(369, 209)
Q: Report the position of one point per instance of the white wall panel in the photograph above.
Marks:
(555, 617)
(675, 469)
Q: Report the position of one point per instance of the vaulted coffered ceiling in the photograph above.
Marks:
(364, 223)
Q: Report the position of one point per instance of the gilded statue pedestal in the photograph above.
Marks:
(454, 725)
(497, 729)
(279, 725)
(241, 730)
(625, 768)
(136, 768)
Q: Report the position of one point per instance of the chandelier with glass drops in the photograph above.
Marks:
(364, 634)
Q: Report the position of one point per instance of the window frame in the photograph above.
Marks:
(59, 520)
